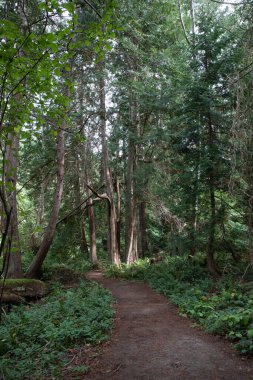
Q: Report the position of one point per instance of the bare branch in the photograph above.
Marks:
(182, 22)
(101, 196)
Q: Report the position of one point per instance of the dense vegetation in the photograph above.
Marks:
(223, 307)
(126, 133)
(43, 332)
(126, 129)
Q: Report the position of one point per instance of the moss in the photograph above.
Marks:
(27, 288)
(19, 281)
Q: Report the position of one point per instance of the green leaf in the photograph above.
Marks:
(70, 7)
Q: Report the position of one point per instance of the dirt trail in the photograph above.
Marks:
(151, 341)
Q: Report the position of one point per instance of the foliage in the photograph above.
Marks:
(73, 261)
(44, 331)
(179, 142)
(224, 307)
(54, 49)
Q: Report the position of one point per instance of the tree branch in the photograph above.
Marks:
(93, 8)
(77, 207)
(101, 196)
(182, 22)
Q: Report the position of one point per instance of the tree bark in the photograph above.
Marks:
(118, 214)
(35, 267)
(195, 206)
(112, 215)
(12, 260)
(192, 14)
(250, 230)
(212, 223)
(83, 241)
(92, 229)
(91, 214)
(36, 236)
(131, 201)
(143, 229)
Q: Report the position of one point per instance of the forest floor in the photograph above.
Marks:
(151, 341)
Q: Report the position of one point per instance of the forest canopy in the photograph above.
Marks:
(126, 132)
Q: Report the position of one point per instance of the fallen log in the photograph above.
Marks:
(12, 298)
(24, 288)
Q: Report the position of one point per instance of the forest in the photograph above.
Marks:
(126, 147)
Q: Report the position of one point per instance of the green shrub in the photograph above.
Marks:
(222, 307)
(33, 339)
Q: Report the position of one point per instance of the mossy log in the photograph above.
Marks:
(12, 298)
(26, 288)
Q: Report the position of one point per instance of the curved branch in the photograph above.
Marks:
(72, 212)
(101, 196)
(182, 22)
(92, 7)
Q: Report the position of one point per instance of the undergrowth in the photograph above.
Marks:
(223, 307)
(34, 339)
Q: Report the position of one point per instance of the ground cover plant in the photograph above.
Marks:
(34, 339)
(222, 307)
(125, 132)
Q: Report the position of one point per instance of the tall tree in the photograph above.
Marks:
(34, 269)
(241, 179)
(107, 174)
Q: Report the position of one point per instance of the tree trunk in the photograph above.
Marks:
(91, 216)
(87, 162)
(12, 260)
(250, 231)
(13, 268)
(212, 223)
(118, 214)
(83, 241)
(132, 251)
(143, 229)
(195, 206)
(131, 201)
(35, 267)
(36, 236)
(114, 251)
(193, 26)
(92, 228)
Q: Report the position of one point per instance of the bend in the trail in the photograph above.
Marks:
(151, 341)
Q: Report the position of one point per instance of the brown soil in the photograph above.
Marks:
(151, 341)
